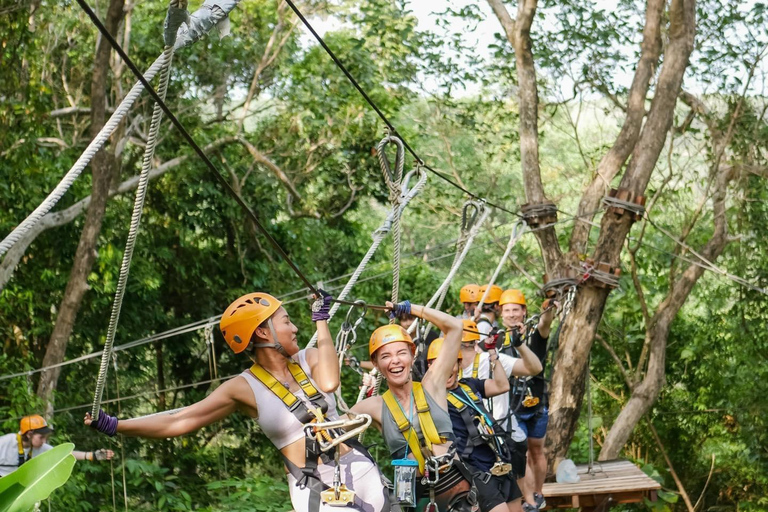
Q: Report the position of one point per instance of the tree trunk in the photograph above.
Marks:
(644, 394)
(567, 387)
(104, 168)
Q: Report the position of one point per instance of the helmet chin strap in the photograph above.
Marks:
(276, 345)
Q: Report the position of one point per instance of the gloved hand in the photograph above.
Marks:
(516, 334)
(321, 307)
(492, 340)
(106, 424)
(401, 308)
(103, 454)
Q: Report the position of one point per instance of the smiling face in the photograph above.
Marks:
(394, 361)
(512, 314)
(284, 329)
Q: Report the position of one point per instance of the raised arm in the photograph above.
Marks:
(442, 367)
(547, 316)
(499, 384)
(323, 361)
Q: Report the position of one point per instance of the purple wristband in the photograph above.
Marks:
(106, 424)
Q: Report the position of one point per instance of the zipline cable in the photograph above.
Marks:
(383, 117)
(198, 150)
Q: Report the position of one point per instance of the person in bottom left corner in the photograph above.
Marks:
(30, 441)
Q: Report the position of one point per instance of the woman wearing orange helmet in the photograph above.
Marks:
(285, 389)
(413, 416)
(32, 440)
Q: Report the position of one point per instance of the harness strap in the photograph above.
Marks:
(427, 424)
(291, 401)
(475, 366)
(22, 456)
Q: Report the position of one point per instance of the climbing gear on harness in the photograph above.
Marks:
(434, 350)
(491, 294)
(244, 315)
(428, 429)
(512, 297)
(387, 334)
(478, 421)
(469, 293)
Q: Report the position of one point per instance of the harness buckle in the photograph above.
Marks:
(338, 496)
(500, 468)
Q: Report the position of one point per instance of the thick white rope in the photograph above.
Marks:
(470, 239)
(130, 244)
(406, 195)
(96, 144)
(517, 232)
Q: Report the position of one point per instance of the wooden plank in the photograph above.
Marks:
(618, 476)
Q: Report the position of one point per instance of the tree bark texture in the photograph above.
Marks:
(645, 393)
(103, 169)
(570, 365)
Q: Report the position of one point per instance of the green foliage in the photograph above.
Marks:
(36, 479)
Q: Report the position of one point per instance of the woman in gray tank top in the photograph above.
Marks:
(257, 325)
(392, 352)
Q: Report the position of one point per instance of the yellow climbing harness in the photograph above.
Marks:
(427, 424)
(475, 366)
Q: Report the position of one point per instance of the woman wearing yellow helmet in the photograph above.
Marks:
(413, 416)
(285, 389)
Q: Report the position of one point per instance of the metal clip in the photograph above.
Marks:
(501, 468)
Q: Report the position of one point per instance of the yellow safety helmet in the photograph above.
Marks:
(434, 349)
(243, 316)
(387, 334)
(493, 295)
(470, 332)
(469, 293)
(512, 297)
(34, 422)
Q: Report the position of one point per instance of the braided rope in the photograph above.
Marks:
(96, 144)
(130, 243)
(517, 232)
(378, 236)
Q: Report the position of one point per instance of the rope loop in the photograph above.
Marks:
(468, 219)
(392, 178)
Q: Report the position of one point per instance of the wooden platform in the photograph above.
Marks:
(610, 483)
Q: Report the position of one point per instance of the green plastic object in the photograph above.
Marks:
(36, 479)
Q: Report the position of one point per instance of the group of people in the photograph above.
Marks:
(467, 434)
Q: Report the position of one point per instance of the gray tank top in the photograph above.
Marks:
(276, 421)
(394, 438)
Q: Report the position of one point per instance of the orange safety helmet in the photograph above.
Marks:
(34, 422)
(512, 297)
(493, 295)
(469, 293)
(470, 333)
(243, 316)
(434, 349)
(387, 334)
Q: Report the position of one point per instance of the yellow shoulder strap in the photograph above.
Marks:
(468, 390)
(405, 427)
(507, 342)
(21, 446)
(431, 435)
(475, 366)
(458, 404)
(302, 379)
(266, 378)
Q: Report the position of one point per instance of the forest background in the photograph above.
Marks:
(677, 371)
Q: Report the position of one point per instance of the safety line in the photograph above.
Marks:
(383, 117)
(185, 134)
